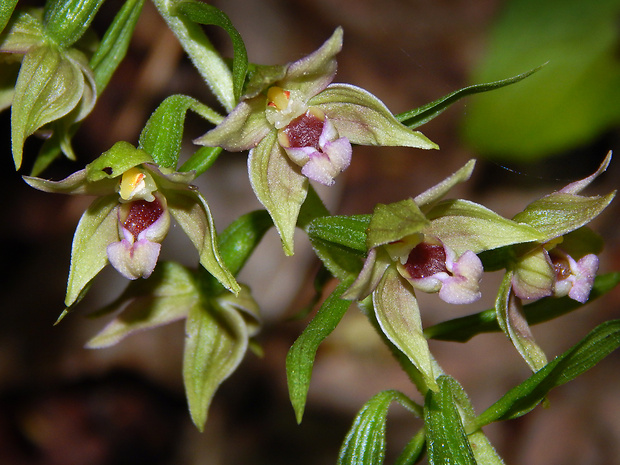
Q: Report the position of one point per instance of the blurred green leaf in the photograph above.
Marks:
(599, 343)
(564, 105)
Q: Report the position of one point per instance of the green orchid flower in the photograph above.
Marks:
(129, 218)
(298, 126)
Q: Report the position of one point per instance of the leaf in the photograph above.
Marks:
(300, 357)
(364, 119)
(398, 315)
(115, 42)
(511, 319)
(209, 15)
(412, 453)
(163, 133)
(6, 10)
(393, 222)
(201, 160)
(566, 105)
(278, 186)
(464, 328)
(422, 115)
(48, 87)
(341, 262)
(97, 228)
(347, 231)
(430, 196)
(521, 399)
(216, 341)
(365, 442)
(446, 441)
(67, 20)
(465, 225)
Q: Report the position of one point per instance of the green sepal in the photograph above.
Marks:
(48, 87)
(393, 222)
(364, 119)
(521, 399)
(163, 133)
(511, 319)
(365, 442)
(279, 186)
(300, 357)
(115, 161)
(446, 440)
(6, 10)
(209, 15)
(22, 30)
(398, 314)
(464, 328)
(422, 115)
(557, 214)
(260, 77)
(97, 228)
(413, 451)
(216, 341)
(533, 274)
(192, 213)
(67, 20)
(465, 225)
(115, 42)
(346, 231)
(429, 197)
(167, 296)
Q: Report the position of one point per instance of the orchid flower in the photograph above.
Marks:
(130, 217)
(297, 126)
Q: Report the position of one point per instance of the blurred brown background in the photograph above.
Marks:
(63, 404)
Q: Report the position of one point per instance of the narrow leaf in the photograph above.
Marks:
(422, 115)
(446, 441)
(599, 343)
(365, 442)
(300, 358)
(209, 15)
(347, 231)
(6, 10)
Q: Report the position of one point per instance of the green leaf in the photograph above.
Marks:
(446, 441)
(422, 115)
(347, 231)
(393, 222)
(191, 211)
(97, 228)
(115, 42)
(511, 319)
(201, 51)
(300, 357)
(412, 453)
(278, 186)
(167, 296)
(201, 160)
(341, 262)
(215, 343)
(115, 161)
(163, 133)
(364, 119)
(6, 10)
(398, 315)
(557, 214)
(48, 87)
(209, 15)
(521, 399)
(564, 106)
(465, 225)
(67, 20)
(429, 197)
(365, 442)
(464, 328)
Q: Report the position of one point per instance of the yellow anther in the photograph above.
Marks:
(278, 97)
(132, 180)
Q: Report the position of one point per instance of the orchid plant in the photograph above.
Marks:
(299, 128)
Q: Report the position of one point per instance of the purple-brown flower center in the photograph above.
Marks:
(142, 214)
(561, 267)
(426, 260)
(304, 131)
